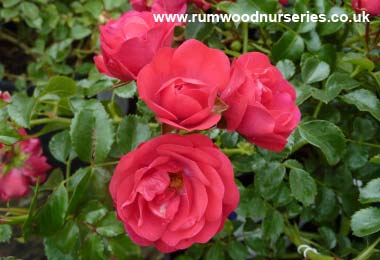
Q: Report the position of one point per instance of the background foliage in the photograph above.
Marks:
(323, 190)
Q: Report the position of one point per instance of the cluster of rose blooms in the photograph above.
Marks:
(21, 164)
(176, 190)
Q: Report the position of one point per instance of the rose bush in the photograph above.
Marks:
(130, 42)
(181, 94)
(173, 191)
(122, 179)
(261, 103)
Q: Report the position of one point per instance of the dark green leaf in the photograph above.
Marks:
(126, 91)
(21, 109)
(132, 131)
(110, 226)
(303, 186)
(273, 225)
(364, 100)
(237, 250)
(326, 136)
(52, 215)
(289, 46)
(60, 146)
(314, 70)
(123, 248)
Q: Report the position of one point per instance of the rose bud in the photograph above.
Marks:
(371, 7)
(174, 191)
(20, 166)
(130, 42)
(261, 103)
(5, 96)
(181, 85)
(160, 6)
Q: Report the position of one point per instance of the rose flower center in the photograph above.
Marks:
(176, 181)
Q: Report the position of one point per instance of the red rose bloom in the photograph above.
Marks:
(181, 85)
(20, 166)
(173, 191)
(261, 102)
(369, 6)
(160, 6)
(284, 2)
(130, 42)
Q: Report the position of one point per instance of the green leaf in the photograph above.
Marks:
(331, 27)
(53, 253)
(248, 7)
(66, 238)
(199, 31)
(360, 60)
(273, 225)
(93, 212)
(289, 46)
(10, 3)
(303, 186)
(237, 250)
(29, 10)
(110, 226)
(216, 252)
(5, 233)
(268, 178)
(287, 68)
(334, 85)
(92, 133)
(82, 180)
(8, 134)
(60, 146)
(366, 222)
(371, 192)
(21, 109)
(52, 215)
(314, 70)
(364, 100)
(132, 131)
(328, 237)
(79, 31)
(326, 136)
(93, 247)
(55, 179)
(123, 248)
(375, 159)
(61, 86)
(126, 91)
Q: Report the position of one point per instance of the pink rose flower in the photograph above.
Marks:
(5, 96)
(130, 42)
(20, 166)
(174, 191)
(261, 102)
(160, 6)
(181, 85)
(369, 6)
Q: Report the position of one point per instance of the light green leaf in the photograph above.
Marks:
(370, 193)
(366, 222)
